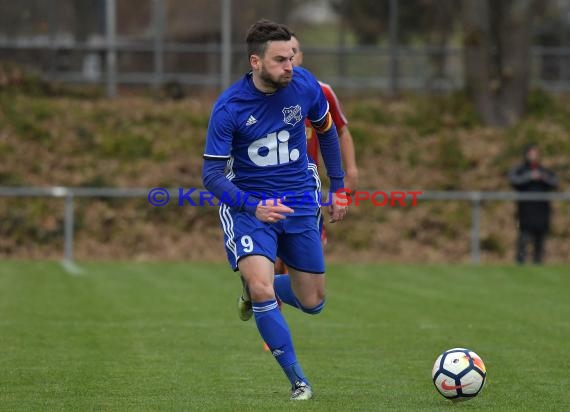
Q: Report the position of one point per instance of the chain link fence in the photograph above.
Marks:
(175, 44)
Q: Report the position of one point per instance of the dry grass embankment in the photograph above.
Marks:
(417, 143)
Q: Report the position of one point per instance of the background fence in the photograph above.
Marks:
(176, 44)
(200, 44)
(473, 199)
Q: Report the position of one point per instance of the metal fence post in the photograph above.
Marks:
(226, 49)
(476, 228)
(394, 52)
(158, 21)
(111, 38)
(52, 29)
(68, 228)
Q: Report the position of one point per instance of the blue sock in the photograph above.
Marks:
(314, 310)
(283, 289)
(282, 286)
(275, 332)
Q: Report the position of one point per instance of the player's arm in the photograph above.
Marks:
(214, 179)
(216, 155)
(322, 122)
(348, 154)
(217, 183)
(330, 151)
(347, 150)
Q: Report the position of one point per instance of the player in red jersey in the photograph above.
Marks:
(345, 140)
(344, 136)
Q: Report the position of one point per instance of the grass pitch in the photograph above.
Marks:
(140, 336)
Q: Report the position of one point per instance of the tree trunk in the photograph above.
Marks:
(497, 57)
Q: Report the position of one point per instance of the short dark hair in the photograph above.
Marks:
(262, 32)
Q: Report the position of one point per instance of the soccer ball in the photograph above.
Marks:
(459, 374)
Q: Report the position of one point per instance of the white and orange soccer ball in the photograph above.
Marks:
(459, 374)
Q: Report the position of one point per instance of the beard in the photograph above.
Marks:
(275, 82)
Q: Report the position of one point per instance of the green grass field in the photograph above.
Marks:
(152, 336)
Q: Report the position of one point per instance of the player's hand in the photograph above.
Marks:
(272, 210)
(336, 211)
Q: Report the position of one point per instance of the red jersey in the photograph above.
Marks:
(338, 117)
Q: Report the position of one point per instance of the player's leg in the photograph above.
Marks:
(237, 242)
(301, 290)
(244, 235)
(280, 269)
(282, 283)
(252, 246)
(245, 311)
(300, 248)
(258, 274)
(309, 289)
(307, 286)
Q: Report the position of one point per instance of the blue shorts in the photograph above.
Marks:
(296, 239)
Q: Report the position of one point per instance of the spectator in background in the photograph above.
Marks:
(533, 217)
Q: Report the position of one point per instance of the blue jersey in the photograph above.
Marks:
(263, 138)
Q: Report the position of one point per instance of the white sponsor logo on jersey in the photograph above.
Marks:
(272, 150)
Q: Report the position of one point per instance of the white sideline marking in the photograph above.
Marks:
(71, 268)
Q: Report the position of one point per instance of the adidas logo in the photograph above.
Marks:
(277, 352)
(251, 120)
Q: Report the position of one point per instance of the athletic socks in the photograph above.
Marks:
(275, 332)
(283, 290)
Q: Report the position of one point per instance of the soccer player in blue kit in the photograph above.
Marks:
(256, 163)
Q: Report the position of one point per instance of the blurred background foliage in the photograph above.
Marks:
(415, 142)
(65, 134)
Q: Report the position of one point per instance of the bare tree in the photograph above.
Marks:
(497, 43)
(368, 19)
(438, 18)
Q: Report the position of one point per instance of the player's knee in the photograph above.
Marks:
(260, 291)
(314, 310)
(313, 303)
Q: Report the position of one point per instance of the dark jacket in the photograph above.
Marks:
(533, 215)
